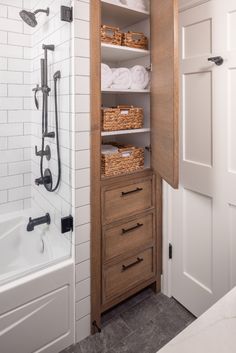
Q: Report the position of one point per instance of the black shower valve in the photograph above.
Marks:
(44, 180)
(46, 152)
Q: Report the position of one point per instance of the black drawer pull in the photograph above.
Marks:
(124, 231)
(131, 192)
(126, 267)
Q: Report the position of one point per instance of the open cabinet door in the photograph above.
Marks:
(165, 90)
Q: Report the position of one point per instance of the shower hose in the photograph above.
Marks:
(55, 78)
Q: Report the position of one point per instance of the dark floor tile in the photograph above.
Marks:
(73, 349)
(141, 313)
(181, 313)
(148, 339)
(127, 304)
(110, 336)
(77, 349)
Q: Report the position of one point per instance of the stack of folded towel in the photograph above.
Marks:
(123, 78)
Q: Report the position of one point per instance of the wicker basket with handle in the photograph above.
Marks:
(111, 35)
(135, 40)
(122, 117)
(128, 159)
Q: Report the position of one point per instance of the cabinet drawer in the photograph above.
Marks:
(128, 236)
(128, 199)
(128, 273)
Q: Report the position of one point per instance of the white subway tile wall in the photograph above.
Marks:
(50, 30)
(81, 92)
(14, 135)
(20, 125)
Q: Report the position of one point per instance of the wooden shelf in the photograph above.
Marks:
(125, 132)
(114, 53)
(113, 91)
(121, 15)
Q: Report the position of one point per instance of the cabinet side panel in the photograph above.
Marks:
(95, 162)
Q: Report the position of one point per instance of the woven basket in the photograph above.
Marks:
(122, 118)
(135, 40)
(111, 35)
(128, 159)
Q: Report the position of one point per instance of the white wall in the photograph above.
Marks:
(15, 90)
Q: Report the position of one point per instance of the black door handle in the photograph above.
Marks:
(218, 60)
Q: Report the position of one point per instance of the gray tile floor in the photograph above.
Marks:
(142, 324)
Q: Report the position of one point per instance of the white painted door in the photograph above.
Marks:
(203, 210)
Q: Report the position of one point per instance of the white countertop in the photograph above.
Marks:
(213, 332)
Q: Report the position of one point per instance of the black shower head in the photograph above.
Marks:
(30, 18)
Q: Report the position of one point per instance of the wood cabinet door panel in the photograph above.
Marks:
(165, 90)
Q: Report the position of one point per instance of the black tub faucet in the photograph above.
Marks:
(37, 221)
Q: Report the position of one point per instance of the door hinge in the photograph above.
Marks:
(149, 68)
(66, 13)
(67, 224)
(148, 148)
(170, 251)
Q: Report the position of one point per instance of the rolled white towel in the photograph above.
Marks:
(121, 78)
(106, 76)
(140, 77)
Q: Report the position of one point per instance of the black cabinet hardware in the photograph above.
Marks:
(126, 267)
(138, 225)
(131, 192)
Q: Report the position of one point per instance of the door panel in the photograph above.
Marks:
(203, 212)
(165, 86)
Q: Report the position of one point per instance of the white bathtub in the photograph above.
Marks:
(36, 288)
(22, 252)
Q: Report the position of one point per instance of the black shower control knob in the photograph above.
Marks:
(218, 60)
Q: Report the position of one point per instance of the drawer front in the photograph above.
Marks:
(128, 273)
(128, 236)
(127, 200)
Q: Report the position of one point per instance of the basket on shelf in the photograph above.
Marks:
(122, 117)
(111, 35)
(127, 159)
(135, 40)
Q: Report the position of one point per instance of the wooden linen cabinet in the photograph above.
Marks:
(131, 204)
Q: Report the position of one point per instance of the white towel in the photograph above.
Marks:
(140, 77)
(121, 78)
(106, 76)
(108, 149)
(142, 5)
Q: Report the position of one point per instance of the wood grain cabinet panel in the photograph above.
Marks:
(129, 273)
(129, 236)
(127, 199)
